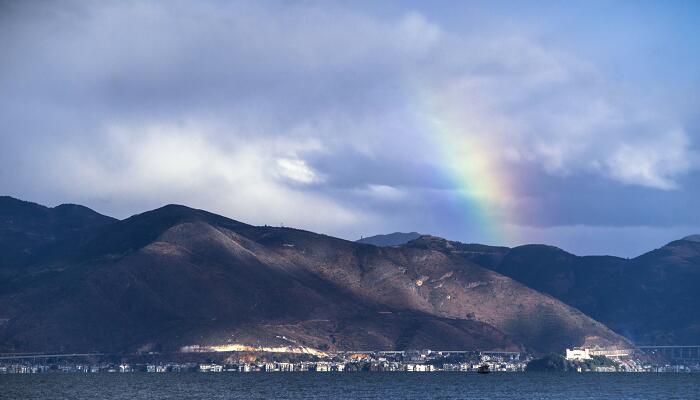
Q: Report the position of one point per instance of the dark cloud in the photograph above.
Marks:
(326, 117)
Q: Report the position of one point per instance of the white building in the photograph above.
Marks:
(322, 367)
(210, 368)
(578, 354)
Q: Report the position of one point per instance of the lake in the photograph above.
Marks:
(370, 385)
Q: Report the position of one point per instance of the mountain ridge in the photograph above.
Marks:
(390, 239)
(177, 276)
(632, 296)
(30, 233)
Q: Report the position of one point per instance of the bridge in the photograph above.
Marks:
(34, 356)
(675, 353)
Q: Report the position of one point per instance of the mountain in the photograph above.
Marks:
(391, 239)
(31, 233)
(651, 299)
(692, 238)
(177, 276)
(660, 290)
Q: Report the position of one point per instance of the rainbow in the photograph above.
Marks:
(474, 169)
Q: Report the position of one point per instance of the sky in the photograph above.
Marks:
(575, 124)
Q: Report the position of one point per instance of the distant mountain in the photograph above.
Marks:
(391, 239)
(692, 238)
(31, 233)
(651, 299)
(177, 276)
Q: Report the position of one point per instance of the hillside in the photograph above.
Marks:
(391, 239)
(651, 299)
(176, 276)
(31, 234)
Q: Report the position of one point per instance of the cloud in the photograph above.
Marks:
(311, 114)
(654, 163)
(385, 193)
(296, 170)
(558, 112)
(184, 164)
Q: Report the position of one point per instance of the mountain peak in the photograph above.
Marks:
(391, 239)
(10, 199)
(11, 204)
(141, 229)
(692, 238)
(174, 213)
(17, 208)
(173, 210)
(430, 242)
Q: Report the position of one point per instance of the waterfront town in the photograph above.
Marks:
(579, 360)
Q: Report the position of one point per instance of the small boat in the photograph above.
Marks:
(483, 369)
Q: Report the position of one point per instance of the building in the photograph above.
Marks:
(210, 368)
(578, 354)
(323, 367)
(610, 353)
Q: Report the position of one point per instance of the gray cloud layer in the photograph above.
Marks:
(317, 116)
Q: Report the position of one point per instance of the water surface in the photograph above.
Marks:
(389, 385)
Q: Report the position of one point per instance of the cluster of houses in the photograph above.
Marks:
(624, 361)
(424, 361)
(378, 366)
(350, 365)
